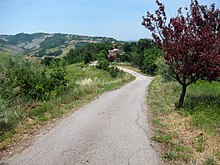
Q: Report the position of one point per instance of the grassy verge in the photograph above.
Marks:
(189, 135)
(85, 82)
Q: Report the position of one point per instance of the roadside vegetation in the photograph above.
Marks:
(142, 55)
(190, 135)
(33, 93)
(187, 125)
(183, 98)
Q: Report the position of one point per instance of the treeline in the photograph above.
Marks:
(54, 41)
(59, 40)
(142, 54)
(93, 52)
(88, 52)
(23, 37)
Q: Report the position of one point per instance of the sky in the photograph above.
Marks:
(120, 19)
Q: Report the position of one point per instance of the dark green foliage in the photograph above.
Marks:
(80, 44)
(97, 48)
(28, 81)
(22, 37)
(102, 39)
(137, 59)
(113, 71)
(57, 81)
(139, 46)
(51, 44)
(54, 41)
(41, 53)
(103, 64)
(87, 58)
(142, 54)
(143, 44)
(164, 70)
(88, 52)
(55, 53)
(74, 56)
(127, 47)
(24, 81)
(48, 60)
(102, 54)
(150, 58)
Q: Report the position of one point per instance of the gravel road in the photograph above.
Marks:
(112, 130)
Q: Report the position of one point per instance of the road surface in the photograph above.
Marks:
(111, 130)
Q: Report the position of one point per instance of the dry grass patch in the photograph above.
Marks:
(182, 142)
(200, 144)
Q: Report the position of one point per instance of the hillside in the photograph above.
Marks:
(45, 44)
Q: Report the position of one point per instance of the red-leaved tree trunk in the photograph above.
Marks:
(191, 42)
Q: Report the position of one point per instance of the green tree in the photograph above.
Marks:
(150, 58)
(190, 41)
(87, 58)
(102, 54)
(103, 64)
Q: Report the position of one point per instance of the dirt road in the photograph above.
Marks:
(111, 130)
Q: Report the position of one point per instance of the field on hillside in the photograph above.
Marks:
(190, 135)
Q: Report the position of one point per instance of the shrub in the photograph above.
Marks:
(87, 57)
(150, 57)
(31, 82)
(103, 64)
(164, 70)
(113, 71)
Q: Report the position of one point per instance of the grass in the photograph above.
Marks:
(189, 135)
(85, 82)
(203, 104)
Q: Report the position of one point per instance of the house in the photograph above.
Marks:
(114, 53)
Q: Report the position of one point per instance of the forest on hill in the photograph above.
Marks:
(45, 44)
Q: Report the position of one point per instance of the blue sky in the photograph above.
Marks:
(120, 19)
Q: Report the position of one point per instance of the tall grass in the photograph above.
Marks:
(196, 126)
(203, 104)
(84, 82)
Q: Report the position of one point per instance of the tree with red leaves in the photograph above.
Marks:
(190, 41)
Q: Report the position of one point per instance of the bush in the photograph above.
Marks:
(3, 105)
(150, 58)
(103, 64)
(29, 81)
(113, 71)
(48, 60)
(87, 58)
(164, 70)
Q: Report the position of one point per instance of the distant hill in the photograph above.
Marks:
(45, 44)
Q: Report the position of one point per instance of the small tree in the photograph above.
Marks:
(150, 58)
(191, 42)
(87, 58)
(103, 64)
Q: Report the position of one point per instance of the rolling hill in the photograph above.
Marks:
(45, 44)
